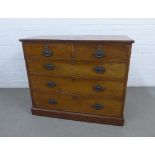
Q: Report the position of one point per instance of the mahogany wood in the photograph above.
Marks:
(80, 86)
(119, 121)
(70, 103)
(78, 77)
(81, 69)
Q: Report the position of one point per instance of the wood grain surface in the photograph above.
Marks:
(78, 77)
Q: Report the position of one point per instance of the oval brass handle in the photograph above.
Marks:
(99, 88)
(99, 69)
(97, 106)
(52, 101)
(47, 53)
(99, 54)
(49, 66)
(51, 84)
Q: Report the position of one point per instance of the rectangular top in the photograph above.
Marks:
(90, 38)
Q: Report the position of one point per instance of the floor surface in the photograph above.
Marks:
(16, 119)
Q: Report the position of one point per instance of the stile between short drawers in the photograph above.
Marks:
(79, 80)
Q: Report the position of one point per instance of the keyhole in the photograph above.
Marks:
(99, 47)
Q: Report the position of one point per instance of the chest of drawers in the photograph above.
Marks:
(80, 78)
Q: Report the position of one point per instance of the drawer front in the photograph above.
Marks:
(36, 50)
(102, 52)
(77, 86)
(81, 69)
(96, 106)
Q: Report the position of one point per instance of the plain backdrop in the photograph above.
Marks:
(12, 66)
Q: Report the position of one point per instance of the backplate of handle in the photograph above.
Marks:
(99, 88)
(97, 106)
(51, 84)
(52, 101)
(49, 66)
(99, 69)
(99, 53)
(47, 53)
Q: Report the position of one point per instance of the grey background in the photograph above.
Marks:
(16, 118)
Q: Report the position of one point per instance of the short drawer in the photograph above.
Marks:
(93, 105)
(77, 86)
(50, 51)
(111, 51)
(80, 69)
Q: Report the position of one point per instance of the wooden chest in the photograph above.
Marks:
(78, 77)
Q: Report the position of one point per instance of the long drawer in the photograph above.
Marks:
(93, 105)
(77, 68)
(77, 86)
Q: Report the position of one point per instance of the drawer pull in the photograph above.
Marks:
(99, 88)
(97, 106)
(51, 84)
(99, 69)
(49, 66)
(52, 101)
(47, 53)
(99, 54)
